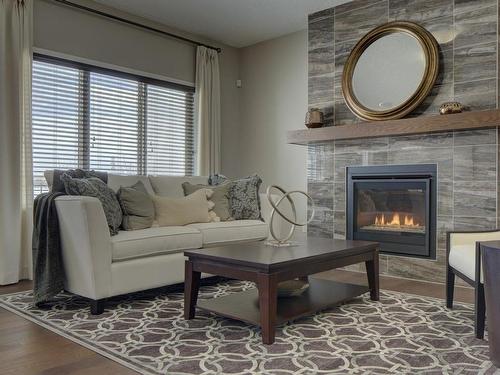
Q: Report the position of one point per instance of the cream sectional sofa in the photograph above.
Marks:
(99, 266)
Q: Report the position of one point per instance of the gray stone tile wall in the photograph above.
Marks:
(466, 31)
(467, 186)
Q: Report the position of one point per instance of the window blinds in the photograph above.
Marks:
(114, 130)
(170, 133)
(104, 120)
(56, 112)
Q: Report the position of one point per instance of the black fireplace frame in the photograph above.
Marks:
(425, 173)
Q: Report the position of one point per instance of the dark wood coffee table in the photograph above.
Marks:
(267, 266)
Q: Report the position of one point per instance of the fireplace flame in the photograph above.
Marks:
(396, 220)
(409, 221)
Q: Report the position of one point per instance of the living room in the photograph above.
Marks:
(249, 187)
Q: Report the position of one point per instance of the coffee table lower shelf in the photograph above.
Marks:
(320, 295)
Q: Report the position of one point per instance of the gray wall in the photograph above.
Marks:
(274, 100)
(66, 30)
(254, 118)
(61, 29)
(467, 161)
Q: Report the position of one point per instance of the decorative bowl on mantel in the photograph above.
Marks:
(450, 108)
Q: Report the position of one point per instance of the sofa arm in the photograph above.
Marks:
(86, 246)
(281, 226)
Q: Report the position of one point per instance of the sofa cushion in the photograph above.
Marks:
(220, 197)
(137, 206)
(171, 186)
(244, 198)
(115, 181)
(58, 185)
(95, 187)
(181, 211)
(154, 241)
(231, 231)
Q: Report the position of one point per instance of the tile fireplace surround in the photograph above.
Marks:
(467, 161)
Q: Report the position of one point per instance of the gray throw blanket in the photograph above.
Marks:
(48, 270)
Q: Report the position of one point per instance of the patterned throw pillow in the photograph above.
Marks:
(94, 187)
(244, 200)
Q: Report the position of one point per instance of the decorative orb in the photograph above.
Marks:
(284, 241)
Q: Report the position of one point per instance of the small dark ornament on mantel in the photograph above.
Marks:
(314, 118)
(451, 107)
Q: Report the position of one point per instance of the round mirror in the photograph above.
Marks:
(390, 71)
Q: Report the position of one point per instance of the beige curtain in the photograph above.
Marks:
(16, 181)
(208, 110)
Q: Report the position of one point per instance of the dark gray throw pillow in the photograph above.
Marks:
(137, 206)
(58, 184)
(220, 197)
(244, 200)
(94, 187)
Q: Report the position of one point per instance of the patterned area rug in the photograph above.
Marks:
(401, 334)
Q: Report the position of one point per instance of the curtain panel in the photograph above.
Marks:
(16, 191)
(208, 111)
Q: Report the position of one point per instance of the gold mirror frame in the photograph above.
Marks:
(431, 51)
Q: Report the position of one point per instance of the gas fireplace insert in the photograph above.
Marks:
(394, 205)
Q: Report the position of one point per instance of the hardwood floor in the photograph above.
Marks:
(462, 294)
(28, 349)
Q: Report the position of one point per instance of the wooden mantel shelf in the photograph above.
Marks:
(407, 126)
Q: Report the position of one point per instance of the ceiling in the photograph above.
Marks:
(237, 23)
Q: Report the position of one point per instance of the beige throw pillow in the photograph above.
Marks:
(220, 197)
(181, 211)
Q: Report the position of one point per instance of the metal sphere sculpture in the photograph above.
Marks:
(284, 241)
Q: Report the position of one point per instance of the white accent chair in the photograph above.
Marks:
(99, 266)
(463, 259)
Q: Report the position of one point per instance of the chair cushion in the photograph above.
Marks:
(463, 259)
(462, 255)
(154, 241)
(231, 231)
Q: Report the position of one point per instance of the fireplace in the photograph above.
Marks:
(394, 205)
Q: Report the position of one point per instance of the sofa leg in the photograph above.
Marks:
(480, 311)
(97, 306)
(450, 287)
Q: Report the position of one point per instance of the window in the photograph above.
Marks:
(167, 113)
(95, 118)
(114, 124)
